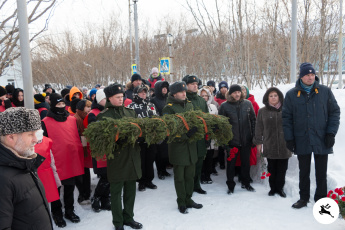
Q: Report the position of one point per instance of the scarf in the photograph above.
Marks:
(277, 106)
(80, 116)
(307, 88)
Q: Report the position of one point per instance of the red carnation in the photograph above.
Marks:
(263, 177)
(330, 192)
(206, 137)
(328, 195)
(340, 192)
(268, 174)
(343, 198)
(264, 173)
(336, 201)
(333, 196)
(336, 190)
(152, 108)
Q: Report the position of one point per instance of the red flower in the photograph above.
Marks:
(336, 190)
(343, 198)
(263, 177)
(268, 174)
(330, 192)
(333, 196)
(152, 108)
(336, 201)
(328, 195)
(340, 192)
(264, 173)
(206, 137)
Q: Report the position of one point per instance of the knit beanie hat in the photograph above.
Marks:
(100, 95)
(178, 86)
(306, 68)
(55, 98)
(211, 83)
(47, 86)
(190, 79)
(9, 89)
(92, 92)
(113, 89)
(39, 98)
(223, 84)
(234, 88)
(135, 77)
(2, 91)
(154, 70)
(64, 92)
(19, 120)
(74, 103)
(97, 86)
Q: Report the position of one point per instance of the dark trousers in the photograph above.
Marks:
(56, 206)
(208, 162)
(245, 167)
(320, 174)
(221, 156)
(184, 183)
(198, 169)
(126, 214)
(277, 168)
(103, 187)
(162, 158)
(84, 185)
(147, 155)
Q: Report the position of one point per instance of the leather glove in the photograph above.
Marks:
(290, 145)
(329, 140)
(122, 141)
(141, 140)
(191, 132)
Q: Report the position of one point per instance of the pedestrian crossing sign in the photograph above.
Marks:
(134, 68)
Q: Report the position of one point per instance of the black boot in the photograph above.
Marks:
(59, 221)
(119, 228)
(133, 224)
(106, 203)
(200, 191)
(95, 204)
(70, 215)
(183, 209)
(141, 187)
(165, 173)
(271, 192)
(248, 188)
(281, 193)
(300, 204)
(161, 176)
(150, 185)
(194, 205)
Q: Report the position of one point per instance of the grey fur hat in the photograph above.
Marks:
(19, 120)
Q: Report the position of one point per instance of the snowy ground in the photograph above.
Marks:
(157, 209)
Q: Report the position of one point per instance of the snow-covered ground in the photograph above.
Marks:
(157, 209)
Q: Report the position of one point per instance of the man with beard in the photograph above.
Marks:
(242, 118)
(22, 201)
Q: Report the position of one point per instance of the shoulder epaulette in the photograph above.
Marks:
(189, 101)
(169, 104)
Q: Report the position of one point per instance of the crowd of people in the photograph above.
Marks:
(43, 151)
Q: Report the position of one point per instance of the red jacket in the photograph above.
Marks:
(67, 148)
(102, 162)
(45, 172)
(219, 100)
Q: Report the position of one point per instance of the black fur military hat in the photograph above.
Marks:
(190, 79)
(113, 89)
(178, 86)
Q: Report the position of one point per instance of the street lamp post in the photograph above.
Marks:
(137, 59)
(170, 39)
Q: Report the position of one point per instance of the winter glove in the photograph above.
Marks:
(141, 140)
(192, 131)
(290, 145)
(122, 141)
(329, 140)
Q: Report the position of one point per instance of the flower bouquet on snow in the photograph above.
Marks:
(339, 197)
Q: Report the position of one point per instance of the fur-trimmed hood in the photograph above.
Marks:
(265, 97)
(210, 97)
(230, 99)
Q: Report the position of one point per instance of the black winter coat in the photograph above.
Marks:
(242, 118)
(23, 204)
(307, 118)
(160, 100)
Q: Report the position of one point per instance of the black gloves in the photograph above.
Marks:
(192, 131)
(290, 145)
(329, 140)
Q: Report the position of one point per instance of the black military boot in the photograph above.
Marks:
(70, 215)
(96, 203)
(194, 205)
(183, 209)
(59, 221)
(300, 204)
(133, 224)
(106, 203)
